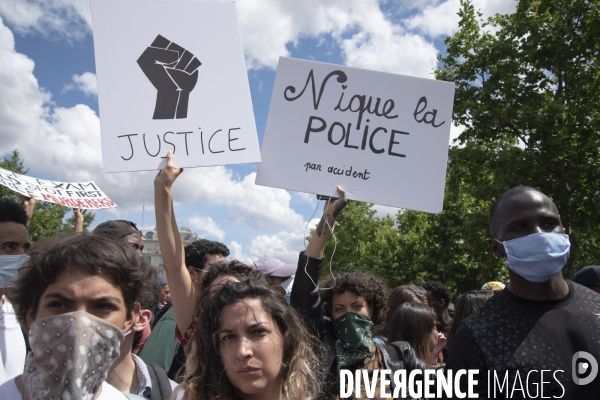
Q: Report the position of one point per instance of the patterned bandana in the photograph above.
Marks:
(70, 356)
(354, 339)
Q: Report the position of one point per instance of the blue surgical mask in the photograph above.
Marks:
(9, 269)
(537, 257)
(287, 286)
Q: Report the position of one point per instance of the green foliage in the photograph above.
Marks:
(529, 98)
(528, 94)
(48, 218)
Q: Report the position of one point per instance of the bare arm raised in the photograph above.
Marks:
(183, 292)
(29, 206)
(316, 246)
(79, 213)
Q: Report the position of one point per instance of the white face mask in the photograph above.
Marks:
(70, 356)
(9, 269)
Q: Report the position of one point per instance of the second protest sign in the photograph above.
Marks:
(382, 137)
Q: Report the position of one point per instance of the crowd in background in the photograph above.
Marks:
(83, 316)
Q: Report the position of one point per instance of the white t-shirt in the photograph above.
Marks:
(9, 391)
(12, 343)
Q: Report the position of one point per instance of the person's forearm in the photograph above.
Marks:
(29, 206)
(318, 241)
(182, 288)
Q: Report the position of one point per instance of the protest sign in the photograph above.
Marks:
(172, 77)
(86, 195)
(382, 137)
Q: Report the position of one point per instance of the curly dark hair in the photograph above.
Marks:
(196, 252)
(233, 268)
(302, 352)
(439, 290)
(88, 254)
(372, 288)
(11, 211)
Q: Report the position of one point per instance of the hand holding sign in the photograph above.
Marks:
(29, 206)
(332, 209)
(78, 213)
(168, 174)
(174, 72)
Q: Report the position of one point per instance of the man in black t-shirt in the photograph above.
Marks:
(524, 340)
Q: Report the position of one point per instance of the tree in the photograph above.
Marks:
(48, 218)
(529, 98)
(528, 95)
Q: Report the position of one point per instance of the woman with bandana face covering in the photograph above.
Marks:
(77, 296)
(343, 312)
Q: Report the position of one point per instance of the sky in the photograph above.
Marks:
(49, 104)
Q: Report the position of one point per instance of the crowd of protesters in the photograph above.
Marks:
(83, 316)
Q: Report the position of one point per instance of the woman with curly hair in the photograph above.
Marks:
(343, 310)
(251, 345)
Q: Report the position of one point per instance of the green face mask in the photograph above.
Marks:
(354, 338)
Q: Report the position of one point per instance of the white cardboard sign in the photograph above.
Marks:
(172, 77)
(86, 195)
(382, 137)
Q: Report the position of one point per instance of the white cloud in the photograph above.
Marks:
(440, 18)
(382, 211)
(85, 82)
(307, 197)
(236, 252)
(55, 19)
(206, 227)
(285, 246)
(367, 38)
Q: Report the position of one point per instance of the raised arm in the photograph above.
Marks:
(183, 295)
(29, 206)
(316, 246)
(78, 212)
(304, 297)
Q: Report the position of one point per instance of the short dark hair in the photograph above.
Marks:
(118, 229)
(11, 211)
(372, 288)
(150, 290)
(233, 268)
(494, 213)
(89, 254)
(196, 252)
(439, 290)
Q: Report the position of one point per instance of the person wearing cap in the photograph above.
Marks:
(279, 275)
(589, 277)
(124, 230)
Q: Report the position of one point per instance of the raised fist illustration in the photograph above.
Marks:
(174, 72)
